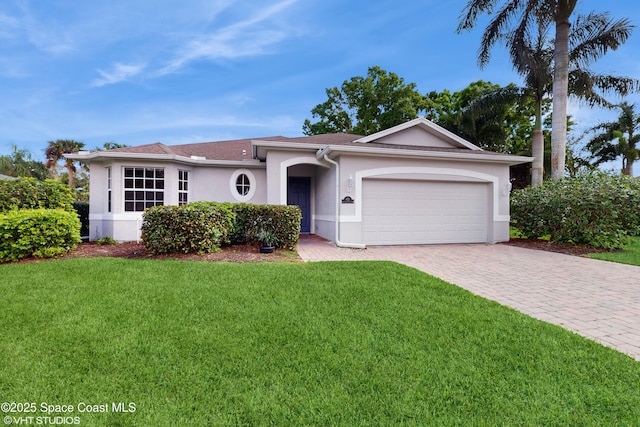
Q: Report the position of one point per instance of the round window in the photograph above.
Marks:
(243, 185)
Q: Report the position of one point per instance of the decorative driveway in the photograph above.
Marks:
(597, 299)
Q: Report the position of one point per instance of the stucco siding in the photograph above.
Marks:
(325, 205)
(414, 136)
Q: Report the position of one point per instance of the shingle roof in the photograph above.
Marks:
(237, 149)
(240, 149)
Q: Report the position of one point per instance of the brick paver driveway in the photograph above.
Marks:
(597, 299)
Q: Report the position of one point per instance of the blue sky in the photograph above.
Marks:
(141, 71)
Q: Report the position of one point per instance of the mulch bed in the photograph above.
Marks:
(544, 245)
(133, 250)
(251, 253)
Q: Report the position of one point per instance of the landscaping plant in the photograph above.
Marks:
(37, 218)
(594, 209)
(199, 227)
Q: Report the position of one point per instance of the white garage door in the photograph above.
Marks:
(396, 212)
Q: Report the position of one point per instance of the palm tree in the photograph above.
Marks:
(56, 151)
(516, 17)
(617, 139)
(532, 56)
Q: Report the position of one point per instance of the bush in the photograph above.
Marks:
(596, 209)
(199, 227)
(41, 233)
(29, 193)
(282, 221)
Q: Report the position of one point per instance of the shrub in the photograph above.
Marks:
(198, 227)
(42, 233)
(29, 193)
(595, 209)
(282, 221)
(202, 227)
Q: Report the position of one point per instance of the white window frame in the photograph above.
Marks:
(109, 193)
(182, 184)
(144, 187)
(234, 190)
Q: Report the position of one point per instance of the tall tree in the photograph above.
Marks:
(20, 163)
(516, 17)
(500, 125)
(56, 151)
(365, 105)
(617, 139)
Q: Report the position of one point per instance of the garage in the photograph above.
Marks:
(398, 212)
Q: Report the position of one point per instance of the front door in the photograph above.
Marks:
(299, 193)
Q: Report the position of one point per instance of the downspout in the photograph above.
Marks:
(324, 152)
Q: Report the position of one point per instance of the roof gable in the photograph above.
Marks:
(419, 132)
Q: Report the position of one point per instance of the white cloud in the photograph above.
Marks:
(250, 37)
(119, 73)
(8, 26)
(177, 44)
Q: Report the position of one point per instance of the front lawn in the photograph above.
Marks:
(350, 343)
(629, 255)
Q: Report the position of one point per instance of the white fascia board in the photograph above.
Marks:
(274, 145)
(421, 121)
(441, 155)
(105, 155)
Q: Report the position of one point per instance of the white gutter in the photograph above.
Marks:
(471, 156)
(339, 244)
(194, 160)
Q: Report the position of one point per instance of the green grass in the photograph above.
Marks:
(368, 343)
(630, 254)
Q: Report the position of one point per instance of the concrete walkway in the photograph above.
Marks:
(597, 299)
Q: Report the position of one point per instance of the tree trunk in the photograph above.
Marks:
(70, 171)
(627, 166)
(560, 96)
(537, 146)
(537, 150)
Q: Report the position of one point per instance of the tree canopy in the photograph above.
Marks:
(366, 105)
(618, 139)
(56, 151)
(573, 51)
(20, 163)
(502, 125)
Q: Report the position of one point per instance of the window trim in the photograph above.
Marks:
(182, 180)
(109, 192)
(252, 185)
(144, 179)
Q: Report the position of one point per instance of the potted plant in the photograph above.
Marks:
(267, 238)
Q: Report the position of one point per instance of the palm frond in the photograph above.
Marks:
(593, 35)
(471, 11)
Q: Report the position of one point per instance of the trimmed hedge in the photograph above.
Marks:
(29, 193)
(201, 227)
(282, 221)
(596, 209)
(41, 233)
(198, 227)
